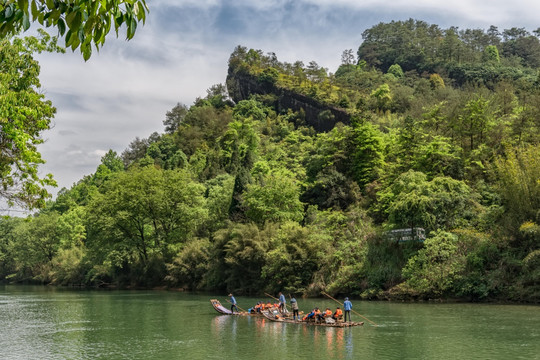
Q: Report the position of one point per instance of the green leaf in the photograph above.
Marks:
(89, 25)
(75, 43)
(97, 35)
(8, 12)
(77, 21)
(18, 15)
(69, 39)
(119, 20)
(26, 22)
(131, 28)
(55, 15)
(35, 11)
(81, 35)
(23, 5)
(61, 26)
(86, 51)
(141, 15)
(70, 18)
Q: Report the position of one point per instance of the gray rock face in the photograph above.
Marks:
(241, 86)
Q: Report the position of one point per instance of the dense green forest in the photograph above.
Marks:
(291, 177)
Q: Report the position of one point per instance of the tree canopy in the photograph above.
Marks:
(81, 22)
(24, 115)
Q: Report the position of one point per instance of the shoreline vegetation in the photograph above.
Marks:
(210, 293)
(291, 178)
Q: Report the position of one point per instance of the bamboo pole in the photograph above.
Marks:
(362, 316)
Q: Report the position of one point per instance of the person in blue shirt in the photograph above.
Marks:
(347, 307)
(309, 316)
(282, 302)
(233, 304)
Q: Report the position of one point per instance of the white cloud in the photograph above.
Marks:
(99, 153)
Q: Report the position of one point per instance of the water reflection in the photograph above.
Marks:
(302, 341)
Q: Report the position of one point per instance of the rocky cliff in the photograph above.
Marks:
(241, 86)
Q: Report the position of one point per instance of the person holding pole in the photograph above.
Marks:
(362, 316)
(294, 305)
(347, 307)
(282, 303)
(233, 304)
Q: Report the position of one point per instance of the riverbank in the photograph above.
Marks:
(380, 296)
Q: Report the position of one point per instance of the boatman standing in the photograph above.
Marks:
(347, 306)
(233, 304)
(282, 303)
(294, 306)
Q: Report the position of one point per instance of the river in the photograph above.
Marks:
(55, 323)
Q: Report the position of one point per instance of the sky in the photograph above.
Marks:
(126, 88)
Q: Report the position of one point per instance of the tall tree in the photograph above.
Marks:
(275, 198)
(148, 211)
(174, 117)
(442, 203)
(24, 115)
(368, 153)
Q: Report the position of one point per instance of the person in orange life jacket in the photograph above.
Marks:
(347, 306)
(323, 314)
(281, 302)
(294, 306)
(233, 304)
(327, 313)
(258, 307)
(317, 313)
(338, 314)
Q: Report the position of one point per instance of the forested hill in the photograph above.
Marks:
(292, 178)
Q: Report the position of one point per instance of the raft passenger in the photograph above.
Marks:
(311, 315)
(317, 314)
(258, 307)
(338, 314)
(327, 313)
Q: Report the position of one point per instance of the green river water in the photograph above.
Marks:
(53, 323)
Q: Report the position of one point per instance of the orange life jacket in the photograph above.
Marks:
(338, 313)
(328, 312)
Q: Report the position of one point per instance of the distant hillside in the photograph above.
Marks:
(410, 172)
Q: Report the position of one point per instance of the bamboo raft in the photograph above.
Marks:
(278, 318)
